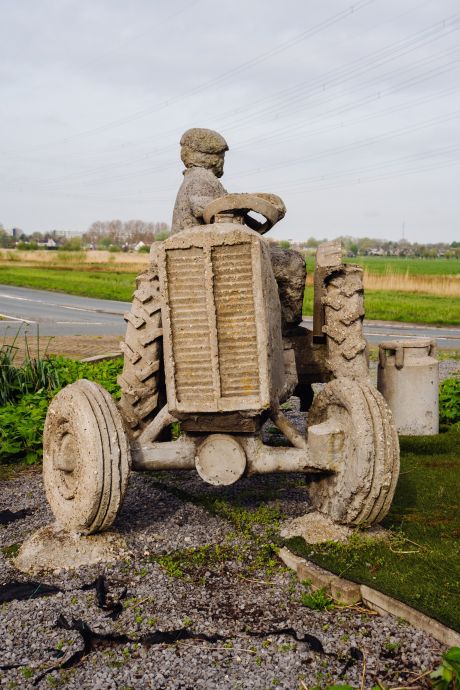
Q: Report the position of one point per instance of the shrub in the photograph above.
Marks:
(447, 676)
(73, 244)
(22, 421)
(26, 246)
(449, 401)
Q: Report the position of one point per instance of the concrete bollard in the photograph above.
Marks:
(408, 378)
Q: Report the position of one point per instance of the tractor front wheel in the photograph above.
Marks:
(86, 458)
(360, 491)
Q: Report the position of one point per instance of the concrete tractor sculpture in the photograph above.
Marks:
(214, 341)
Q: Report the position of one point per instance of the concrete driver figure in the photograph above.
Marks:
(203, 154)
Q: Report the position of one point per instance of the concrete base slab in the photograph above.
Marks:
(316, 528)
(53, 549)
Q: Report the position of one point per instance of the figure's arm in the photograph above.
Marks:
(202, 192)
(198, 203)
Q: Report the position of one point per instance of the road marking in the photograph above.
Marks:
(434, 336)
(10, 318)
(80, 323)
(62, 306)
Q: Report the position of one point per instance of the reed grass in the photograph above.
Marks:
(34, 374)
(93, 261)
(444, 286)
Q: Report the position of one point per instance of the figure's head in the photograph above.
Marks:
(203, 148)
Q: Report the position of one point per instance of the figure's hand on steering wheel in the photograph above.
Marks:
(268, 205)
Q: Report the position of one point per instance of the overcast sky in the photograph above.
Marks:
(349, 111)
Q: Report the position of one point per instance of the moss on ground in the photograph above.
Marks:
(253, 542)
(419, 561)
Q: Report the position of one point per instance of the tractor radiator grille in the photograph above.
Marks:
(189, 323)
(236, 321)
(213, 325)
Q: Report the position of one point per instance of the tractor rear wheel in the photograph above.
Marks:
(142, 381)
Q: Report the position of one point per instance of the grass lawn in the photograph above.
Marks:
(384, 305)
(104, 285)
(419, 562)
(403, 306)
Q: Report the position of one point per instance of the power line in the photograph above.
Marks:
(317, 28)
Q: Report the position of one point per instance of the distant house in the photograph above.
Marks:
(48, 244)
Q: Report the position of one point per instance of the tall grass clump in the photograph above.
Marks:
(26, 391)
(444, 286)
(62, 256)
(33, 375)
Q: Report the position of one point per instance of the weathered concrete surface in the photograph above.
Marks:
(202, 152)
(220, 460)
(142, 382)
(328, 256)
(315, 528)
(362, 488)
(53, 549)
(408, 378)
(290, 273)
(199, 188)
(229, 356)
(86, 457)
(344, 313)
(237, 208)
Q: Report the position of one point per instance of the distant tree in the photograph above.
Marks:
(284, 244)
(73, 244)
(162, 235)
(118, 233)
(27, 246)
(5, 238)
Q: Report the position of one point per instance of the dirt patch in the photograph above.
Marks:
(74, 346)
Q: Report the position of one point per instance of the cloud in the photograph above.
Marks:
(352, 116)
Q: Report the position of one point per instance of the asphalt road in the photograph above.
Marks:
(56, 313)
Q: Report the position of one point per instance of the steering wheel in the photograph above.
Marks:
(268, 205)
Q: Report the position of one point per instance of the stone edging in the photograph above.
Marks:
(352, 593)
(101, 358)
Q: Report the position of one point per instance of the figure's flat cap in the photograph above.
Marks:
(204, 140)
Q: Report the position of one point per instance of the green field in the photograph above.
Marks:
(403, 306)
(104, 284)
(384, 305)
(380, 265)
(419, 561)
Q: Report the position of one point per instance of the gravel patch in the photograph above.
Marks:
(237, 617)
(448, 368)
